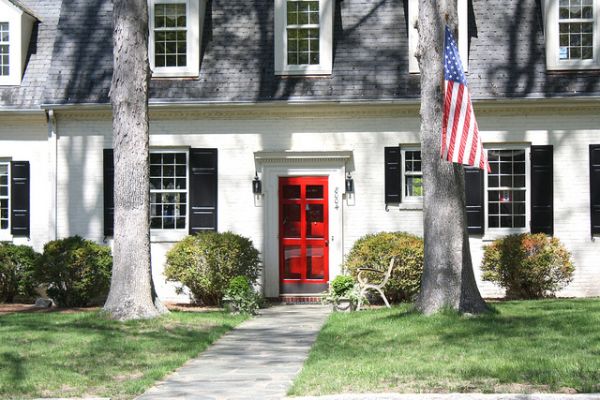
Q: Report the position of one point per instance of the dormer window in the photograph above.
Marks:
(4, 50)
(572, 30)
(175, 37)
(16, 24)
(303, 37)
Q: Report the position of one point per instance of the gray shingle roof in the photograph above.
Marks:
(506, 57)
(29, 94)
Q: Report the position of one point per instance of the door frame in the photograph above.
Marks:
(271, 166)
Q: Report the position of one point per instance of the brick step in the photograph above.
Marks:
(299, 299)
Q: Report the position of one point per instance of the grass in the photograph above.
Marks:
(524, 346)
(86, 354)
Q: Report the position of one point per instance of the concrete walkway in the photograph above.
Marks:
(257, 360)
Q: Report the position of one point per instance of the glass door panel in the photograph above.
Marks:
(315, 221)
(315, 262)
(293, 262)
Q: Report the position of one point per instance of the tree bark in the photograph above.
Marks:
(132, 294)
(448, 281)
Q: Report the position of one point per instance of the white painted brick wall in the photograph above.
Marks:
(80, 171)
(26, 140)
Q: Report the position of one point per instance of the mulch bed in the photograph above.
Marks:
(30, 308)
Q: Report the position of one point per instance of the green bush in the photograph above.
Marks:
(528, 266)
(75, 271)
(341, 285)
(17, 264)
(206, 262)
(376, 250)
(242, 297)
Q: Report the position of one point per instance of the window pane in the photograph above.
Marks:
(506, 207)
(168, 197)
(291, 220)
(314, 191)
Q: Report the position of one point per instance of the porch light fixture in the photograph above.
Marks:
(349, 183)
(256, 184)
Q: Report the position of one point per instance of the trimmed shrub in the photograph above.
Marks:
(17, 265)
(376, 250)
(75, 271)
(242, 298)
(206, 262)
(528, 266)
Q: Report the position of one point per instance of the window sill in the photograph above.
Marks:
(175, 75)
(409, 205)
(572, 68)
(492, 235)
(168, 236)
(303, 72)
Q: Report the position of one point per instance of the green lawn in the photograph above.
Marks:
(524, 346)
(85, 354)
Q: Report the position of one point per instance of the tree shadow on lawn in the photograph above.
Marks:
(551, 342)
(90, 347)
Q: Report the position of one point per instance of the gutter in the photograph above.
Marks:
(166, 103)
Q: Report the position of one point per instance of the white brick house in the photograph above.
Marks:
(249, 109)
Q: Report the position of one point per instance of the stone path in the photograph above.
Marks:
(257, 360)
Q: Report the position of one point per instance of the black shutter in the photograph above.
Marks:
(19, 198)
(474, 200)
(542, 190)
(203, 190)
(393, 175)
(109, 192)
(595, 187)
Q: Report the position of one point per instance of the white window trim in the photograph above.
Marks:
(495, 233)
(173, 235)
(20, 25)
(413, 34)
(5, 234)
(325, 65)
(195, 10)
(553, 62)
(409, 200)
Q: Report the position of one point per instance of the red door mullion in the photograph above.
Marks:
(303, 226)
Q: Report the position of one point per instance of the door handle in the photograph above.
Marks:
(327, 243)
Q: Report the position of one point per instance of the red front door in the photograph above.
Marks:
(303, 234)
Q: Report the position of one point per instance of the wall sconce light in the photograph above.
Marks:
(256, 184)
(349, 183)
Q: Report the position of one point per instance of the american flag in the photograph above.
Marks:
(461, 142)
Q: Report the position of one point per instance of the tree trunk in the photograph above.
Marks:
(448, 281)
(132, 294)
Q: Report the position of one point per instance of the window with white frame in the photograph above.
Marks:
(16, 26)
(175, 37)
(168, 189)
(572, 31)
(4, 196)
(412, 175)
(303, 37)
(4, 49)
(413, 34)
(507, 189)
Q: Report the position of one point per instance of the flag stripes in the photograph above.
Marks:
(461, 142)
